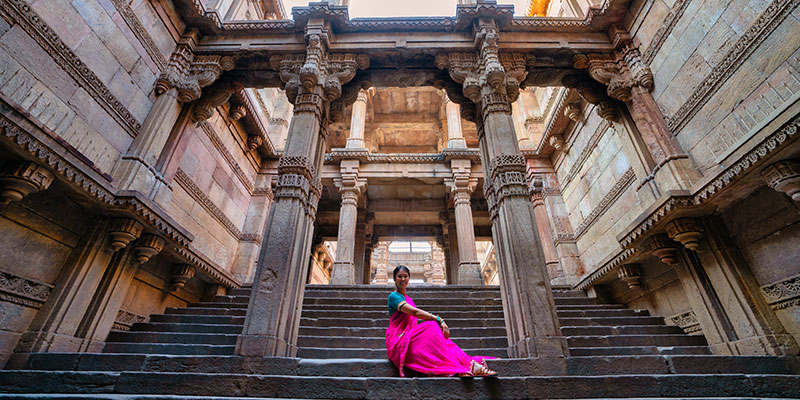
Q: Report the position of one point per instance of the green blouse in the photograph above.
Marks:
(394, 302)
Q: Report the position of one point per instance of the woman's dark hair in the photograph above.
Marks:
(398, 269)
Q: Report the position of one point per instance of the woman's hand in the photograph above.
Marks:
(445, 330)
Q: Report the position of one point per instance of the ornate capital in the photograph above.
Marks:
(461, 179)
(188, 73)
(181, 273)
(556, 142)
(148, 246)
(19, 179)
(124, 231)
(213, 97)
(593, 93)
(238, 112)
(631, 275)
(348, 182)
(662, 247)
(687, 231)
(784, 176)
(620, 71)
(574, 112)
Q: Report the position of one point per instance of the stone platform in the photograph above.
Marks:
(188, 353)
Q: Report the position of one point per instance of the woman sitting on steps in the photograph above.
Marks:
(424, 346)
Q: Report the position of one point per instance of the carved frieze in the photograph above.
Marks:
(22, 13)
(126, 319)
(23, 291)
(686, 321)
(783, 294)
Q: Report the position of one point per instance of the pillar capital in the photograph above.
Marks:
(461, 179)
(187, 73)
(784, 176)
(661, 246)
(687, 231)
(19, 179)
(348, 182)
(620, 71)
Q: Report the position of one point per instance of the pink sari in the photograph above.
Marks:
(423, 348)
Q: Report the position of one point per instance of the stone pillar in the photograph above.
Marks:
(273, 314)
(358, 122)
(90, 283)
(437, 263)
(257, 212)
(554, 269)
(461, 184)
(630, 80)
(350, 187)
(452, 242)
(380, 259)
(533, 328)
(359, 246)
(455, 138)
(180, 83)
(744, 321)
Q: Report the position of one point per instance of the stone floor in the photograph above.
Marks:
(188, 353)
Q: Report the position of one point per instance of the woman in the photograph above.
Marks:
(424, 346)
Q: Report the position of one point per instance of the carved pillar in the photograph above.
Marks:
(492, 84)
(554, 270)
(455, 138)
(273, 314)
(450, 236)
(19, 179)
(180, 83)
(358, 246)
(461, 184)
(358, 122)
(350, 187)
(380, 259)
(70, 319)
(437, 264)
(630, 80)
(784, 176)
(253, 230)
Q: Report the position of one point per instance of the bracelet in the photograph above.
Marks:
(439, 320)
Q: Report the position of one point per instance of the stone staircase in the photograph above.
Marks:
(187, 353)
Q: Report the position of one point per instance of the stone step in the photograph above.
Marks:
(573, 366)
(384, 322)
(213, 304)
(637, 350)
(382, 301)
(417, 296)
(239, 312)
(347, 342)
(620, 330)
(187, 328)
(274, 386)
(381, 332)
(383, 308)
(569, 293)
(563, 301)
(636, 340)
(197, 319)
(380, 353)
(568, 307)
(173, 337)
(611, 321)
(232, 299)
(168, 348)
(332, 313)
(625, 312)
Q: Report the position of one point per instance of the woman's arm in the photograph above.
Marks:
(423, 315)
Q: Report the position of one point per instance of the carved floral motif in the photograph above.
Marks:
(23, 291)
(783, 294)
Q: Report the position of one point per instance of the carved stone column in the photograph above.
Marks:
(19, 179)
(380, 259)
(492, 83)
(455, 138)
(92, 281)
(358, 122)
(784, 176)
(273, 314)
(180, 83)
(437, 264)
(630, 80)
(253, 229)
(554, 270)
(461, 184)
(350, 187)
